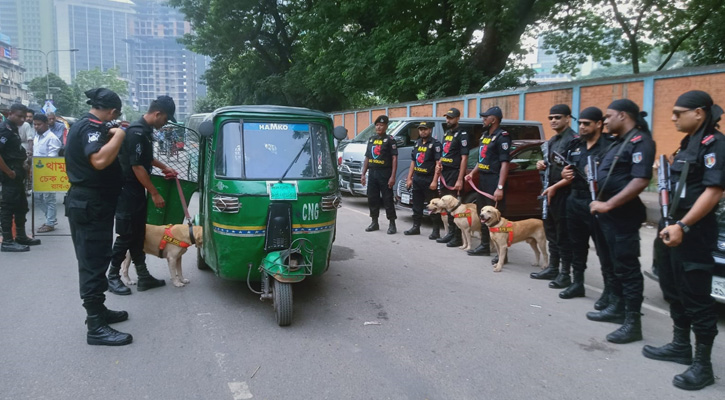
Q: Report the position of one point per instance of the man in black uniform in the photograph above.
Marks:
(423, 178)
(580, 222)
(624, 172)
(492, 169)
(686, 264)
(14, 204)
(381, 157)
(137, 160)
(555, 222)
(454, 158)
(94, 173)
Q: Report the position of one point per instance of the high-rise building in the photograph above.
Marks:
(12, 89)
(160, 64)
(30, 24)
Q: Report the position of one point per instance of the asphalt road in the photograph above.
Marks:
(446, 327)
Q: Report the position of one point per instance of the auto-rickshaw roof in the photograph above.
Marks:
(269, 110)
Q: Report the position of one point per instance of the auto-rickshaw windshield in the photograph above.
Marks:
(264, 151)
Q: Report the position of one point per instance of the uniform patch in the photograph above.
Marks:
(3, 140)
(710, 160)
(138, 150)
(505, 146)
(637, 157)
(93, 137)
(438, 149)
(709, 139)
(636, 139)
(393, 145)
(430, 145)
(464, 142)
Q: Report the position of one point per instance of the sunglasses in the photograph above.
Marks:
(585, 123)
(677, 113)
(555, 117)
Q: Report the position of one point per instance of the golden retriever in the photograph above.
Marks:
(171, 252)
(465, 218)
(529, 230)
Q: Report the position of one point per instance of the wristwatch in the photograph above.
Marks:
(499, 187)
(684, 227)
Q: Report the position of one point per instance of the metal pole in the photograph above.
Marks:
(47, 77)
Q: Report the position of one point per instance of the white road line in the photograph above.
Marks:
(240, 390)
(644, 305)
(354, 210)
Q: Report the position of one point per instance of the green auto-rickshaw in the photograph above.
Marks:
(268, 197)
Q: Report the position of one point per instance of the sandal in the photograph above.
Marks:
(45, 229)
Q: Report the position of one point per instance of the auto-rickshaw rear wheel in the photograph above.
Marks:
(200, 263)
(282, 298)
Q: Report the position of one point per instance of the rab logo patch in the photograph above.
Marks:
(93, 137)
(376, 151)
(446, 148)
(637, 157)
(710, 160)
(420, 159)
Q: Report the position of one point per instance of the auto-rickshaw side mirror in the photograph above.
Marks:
(340, 133)
(206, 128)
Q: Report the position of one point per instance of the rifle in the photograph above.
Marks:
(545, 180)
(664, 186)
(592, 176)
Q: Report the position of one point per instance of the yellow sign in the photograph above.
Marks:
(49, 175)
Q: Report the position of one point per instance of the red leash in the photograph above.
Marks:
(443, 182)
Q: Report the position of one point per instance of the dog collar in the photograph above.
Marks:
(502, 229)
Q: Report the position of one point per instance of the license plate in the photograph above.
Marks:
(718, 288)
(405, 198)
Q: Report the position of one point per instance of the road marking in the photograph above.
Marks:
(644, 305)
(354, 210)
(240, 390)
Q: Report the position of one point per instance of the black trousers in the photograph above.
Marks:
(582, 225)
(620, 230)
(422, 194)
(685, 274)
(488, 183)
(130, 226)
(90, 214)
(450, 176)
(14, 204)
(555, 226)
(379, 192)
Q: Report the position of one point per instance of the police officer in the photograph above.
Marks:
(492, 169)
(14, 204)
(454, 158)
(685, 270)
(137, 160)
(423, 177)
(94, 173)
(624, 172)
(580, 223)
(555, 222)
(381, 158)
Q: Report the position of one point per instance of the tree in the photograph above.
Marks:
(624, 30)
(109, 79)
(333, 54)
(63, 99)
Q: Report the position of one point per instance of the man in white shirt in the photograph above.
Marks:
(45, 144)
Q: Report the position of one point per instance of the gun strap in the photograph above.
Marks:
(678, 191)
(616, 158)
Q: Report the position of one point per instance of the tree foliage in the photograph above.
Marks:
(109, 79)
(335, 54)
(63, 99)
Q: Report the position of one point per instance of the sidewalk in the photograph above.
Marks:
(651, 200)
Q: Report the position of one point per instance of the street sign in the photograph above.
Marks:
(49, 107)
(49, 175)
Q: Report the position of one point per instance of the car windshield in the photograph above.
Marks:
(264, 151)
(369, 132)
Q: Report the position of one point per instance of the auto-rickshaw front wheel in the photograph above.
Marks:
(200, 263)
(282, 298)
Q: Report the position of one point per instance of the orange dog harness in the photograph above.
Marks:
(508, 228)
(168, 238)
(466, 214)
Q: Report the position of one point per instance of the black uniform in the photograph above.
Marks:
(379, 153)
(620, 226)
(137, 149)
(424, 155)
(495, 149)
(14, 204)
(455, 145)
(90, 206)
(686, 270)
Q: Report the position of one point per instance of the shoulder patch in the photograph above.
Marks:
(505, 145)
(710, 160)
(93, 136)
(576, 136)
(708, 139)
(3, 139)
(636, 139)
(464, 143)
(637, 157)
(95, 123)
(504, 133)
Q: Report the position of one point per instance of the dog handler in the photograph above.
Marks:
(94, 173)
(686, 266)
(452, 165)
(137, 160)
(423, 178)
(492, 169)
(381, 157)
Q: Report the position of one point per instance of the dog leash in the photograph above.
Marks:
(186, 210)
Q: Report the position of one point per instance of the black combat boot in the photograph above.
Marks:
(25, 240)
(483, 249)
(392, 229)
(112, 317)
(603, 300)
(145, 280)
(630, 331)
(373, 226)
(679, 351)
(576, 289)
(563, 279)
(550, 272)
(436, 233)
(11, 246)
(613, 313)
(415, 230)
(99, 333)
(457, 240)
(700, 373)
(115, 284)
(448, 237)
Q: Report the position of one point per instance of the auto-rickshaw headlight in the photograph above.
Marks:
(225, 204)
(331, 202)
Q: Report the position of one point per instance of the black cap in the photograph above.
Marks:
(425, 124)
(382, 119)
(560, 109)
(495, 111)
(103, 98)
(591, 114)
(453, 113)
(166, 105)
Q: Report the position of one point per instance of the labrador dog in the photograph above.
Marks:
(464, 218)
(436, 206)
(505, 233)
(172, 252)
